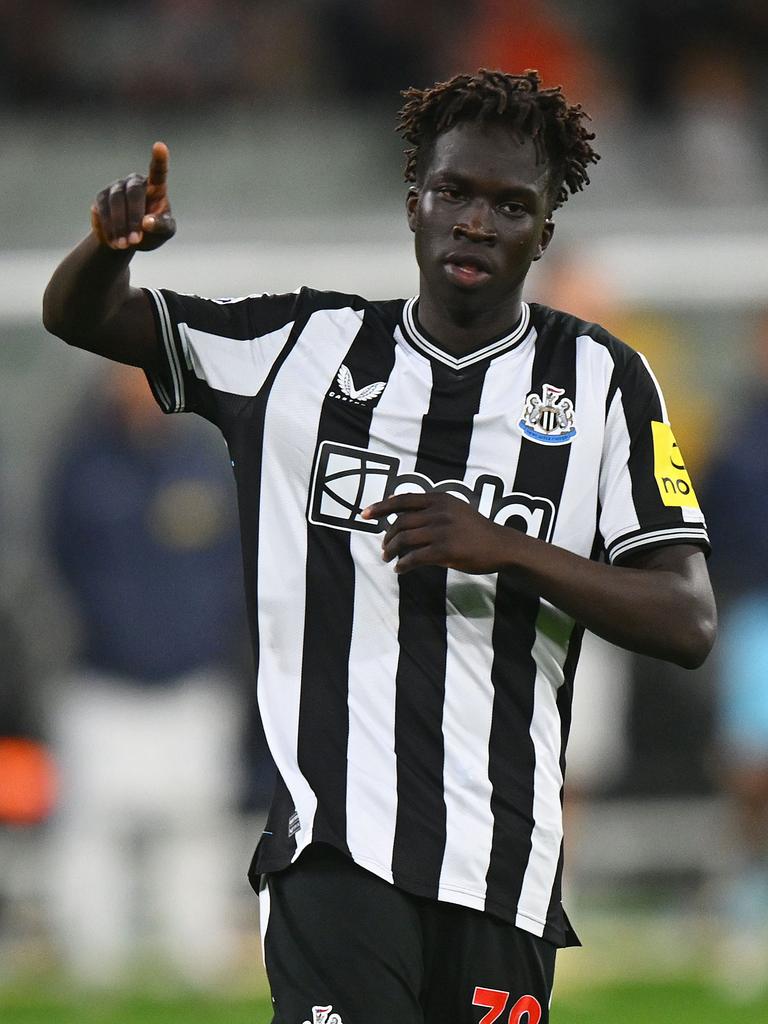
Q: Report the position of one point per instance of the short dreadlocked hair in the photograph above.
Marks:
(543, 115)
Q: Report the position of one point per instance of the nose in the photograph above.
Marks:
(477, 226)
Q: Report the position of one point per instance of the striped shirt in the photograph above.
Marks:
(419, 723)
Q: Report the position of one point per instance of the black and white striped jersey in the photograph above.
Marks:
(419, 723)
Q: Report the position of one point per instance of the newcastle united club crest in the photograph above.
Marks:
(548, 418)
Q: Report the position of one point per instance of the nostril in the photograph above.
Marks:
(475, 232)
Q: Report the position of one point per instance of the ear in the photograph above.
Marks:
(411, 205)
(547, 232)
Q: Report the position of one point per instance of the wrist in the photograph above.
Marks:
(515, 552)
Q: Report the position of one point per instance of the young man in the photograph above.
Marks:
(415, 655)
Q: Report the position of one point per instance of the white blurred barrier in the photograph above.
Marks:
(662, 270)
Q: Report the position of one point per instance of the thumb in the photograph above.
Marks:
(158, 224)
(157, 228)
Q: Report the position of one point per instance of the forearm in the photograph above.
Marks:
(87, 288)
(648, 609)
(661, 605)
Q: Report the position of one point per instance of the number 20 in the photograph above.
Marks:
(496, 1001)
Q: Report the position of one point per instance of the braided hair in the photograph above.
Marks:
(556, 128)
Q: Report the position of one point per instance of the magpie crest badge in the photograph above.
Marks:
(548, 417)
(323, 1015)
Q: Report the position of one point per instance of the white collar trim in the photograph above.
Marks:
(460, 362)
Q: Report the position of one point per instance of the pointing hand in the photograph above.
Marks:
(134, 213)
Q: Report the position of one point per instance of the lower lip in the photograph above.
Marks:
(466, 275)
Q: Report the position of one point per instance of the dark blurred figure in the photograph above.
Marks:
(735, 496)
(657, 39)
(696, 72)
(379, 46)
(27, 776)
(147, 728)
(17, 717)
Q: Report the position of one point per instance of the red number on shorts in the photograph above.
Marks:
(492, 998)
(496, 1001)
(525, 1005)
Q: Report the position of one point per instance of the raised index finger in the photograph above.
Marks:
(158, 165)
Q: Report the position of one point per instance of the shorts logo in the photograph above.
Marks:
(346, 480)
(323, 1015)
(348, 391)
(672, 478)
(548, 418)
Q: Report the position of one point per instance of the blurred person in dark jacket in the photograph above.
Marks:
(736, 488)
(146, 727)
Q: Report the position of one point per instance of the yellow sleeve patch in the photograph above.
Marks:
(672, 478)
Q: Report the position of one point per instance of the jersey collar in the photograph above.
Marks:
(419, 340)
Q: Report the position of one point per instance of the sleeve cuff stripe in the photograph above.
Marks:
(167, 403)
(697, 535)
(170, 349)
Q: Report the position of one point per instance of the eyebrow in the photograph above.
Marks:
(458, 178)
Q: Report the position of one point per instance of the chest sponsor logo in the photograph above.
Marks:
(548, 417)
(672, 478)
(346, 480)
(346, 391)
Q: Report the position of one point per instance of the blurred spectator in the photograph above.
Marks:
(695, 69)
(656, 39)
(27, 777)
(735, 493)
(534, 35)
(17, 717)
(147, 727)
(382, 46)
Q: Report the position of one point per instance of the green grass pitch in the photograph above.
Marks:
(670, 1002)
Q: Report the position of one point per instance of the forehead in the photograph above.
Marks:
(487, 152)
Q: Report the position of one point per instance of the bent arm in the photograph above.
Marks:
(660, 604)
(89, 301)
(90, 304)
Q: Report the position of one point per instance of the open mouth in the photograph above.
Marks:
(467, 269)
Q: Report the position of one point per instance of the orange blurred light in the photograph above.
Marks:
(27, 782)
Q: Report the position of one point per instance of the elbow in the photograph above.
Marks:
(697, 639)
(55, 318)
(52, 321)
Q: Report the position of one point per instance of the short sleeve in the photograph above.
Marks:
(217, 354)
(647, 498)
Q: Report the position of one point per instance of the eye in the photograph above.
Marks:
(449, 192)
(513, 209)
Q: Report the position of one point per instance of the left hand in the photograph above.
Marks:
(439, 529)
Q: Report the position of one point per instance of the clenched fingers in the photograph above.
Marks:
(135, 206)
(120, 208)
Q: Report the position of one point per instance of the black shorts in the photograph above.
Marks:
(342, 946)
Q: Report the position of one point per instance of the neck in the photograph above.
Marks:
(460, 329)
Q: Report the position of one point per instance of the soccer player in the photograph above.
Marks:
(426, 488)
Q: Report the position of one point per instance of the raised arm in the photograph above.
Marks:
(89, 301)
(661, 604)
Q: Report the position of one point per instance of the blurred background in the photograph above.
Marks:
(133, 774)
